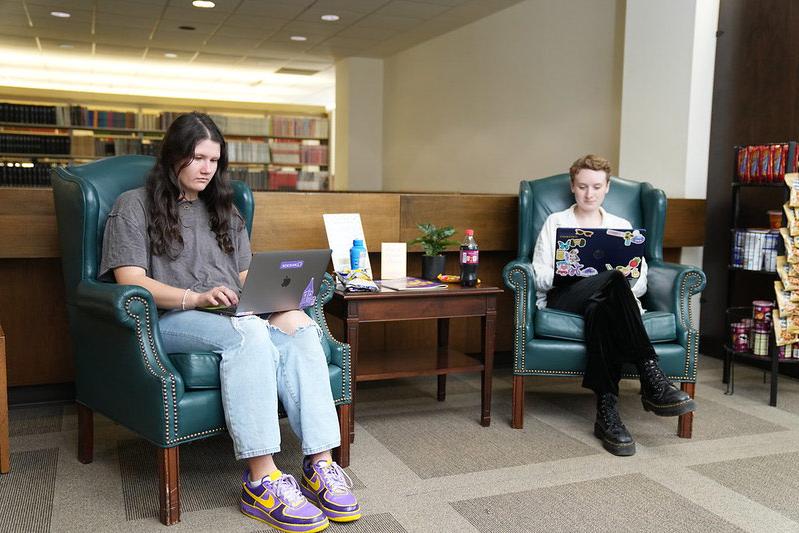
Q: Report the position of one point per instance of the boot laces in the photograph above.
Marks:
(654, 376)
(609, 412)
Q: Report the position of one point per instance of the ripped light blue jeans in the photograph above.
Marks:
(260, 363)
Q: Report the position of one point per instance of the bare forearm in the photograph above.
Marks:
(168, 297)
(165, 296)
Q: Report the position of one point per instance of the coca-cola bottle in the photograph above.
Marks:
(469, 258)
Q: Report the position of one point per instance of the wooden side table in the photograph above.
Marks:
(389, 306)
(5, 462)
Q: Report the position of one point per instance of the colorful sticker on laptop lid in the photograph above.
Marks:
(308, 297)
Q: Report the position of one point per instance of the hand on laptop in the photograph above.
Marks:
(220, 296)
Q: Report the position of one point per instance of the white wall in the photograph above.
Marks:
(670, 51)
(669, 58)
(517, 95)
(359, 124)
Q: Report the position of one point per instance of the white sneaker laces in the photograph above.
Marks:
(336, 478)
(288, 490)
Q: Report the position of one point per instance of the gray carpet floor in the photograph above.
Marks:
(423, 465)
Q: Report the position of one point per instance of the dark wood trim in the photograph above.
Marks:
(85, 434)
(5, 455)
(169, 485)
(685, 423)
(342, 454)
(517, 403)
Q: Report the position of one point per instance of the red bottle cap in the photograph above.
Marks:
(469, 232)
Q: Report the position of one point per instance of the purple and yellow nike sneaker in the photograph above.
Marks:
(278, 501)
(328, 485)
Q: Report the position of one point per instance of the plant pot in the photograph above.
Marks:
(432, 266)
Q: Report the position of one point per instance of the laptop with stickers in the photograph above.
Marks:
(279, 281)
(583, 252)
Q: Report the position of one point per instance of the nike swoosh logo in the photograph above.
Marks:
(269, 502)
(314, 486)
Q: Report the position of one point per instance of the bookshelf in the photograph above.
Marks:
(269, 150)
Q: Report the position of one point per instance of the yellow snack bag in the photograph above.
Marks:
(793, 219)
(792, 181)
(781, 334)
(786, 306)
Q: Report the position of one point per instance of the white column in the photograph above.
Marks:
(359, 124)
(667, 97)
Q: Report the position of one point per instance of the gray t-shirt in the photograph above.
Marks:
(200, 266)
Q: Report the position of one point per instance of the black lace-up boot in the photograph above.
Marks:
(609, 428)
(659, 395)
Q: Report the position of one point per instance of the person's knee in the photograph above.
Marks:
(290, 321)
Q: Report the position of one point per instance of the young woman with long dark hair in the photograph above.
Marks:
(181, 238)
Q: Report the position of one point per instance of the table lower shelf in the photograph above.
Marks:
(405, 363)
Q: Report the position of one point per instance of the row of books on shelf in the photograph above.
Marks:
(77, 115)
(766, 163)
(15, 174)
(281, 152)
(282, 180)
(34, 144)
(294, 152)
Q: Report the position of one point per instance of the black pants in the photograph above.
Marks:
(614, 332)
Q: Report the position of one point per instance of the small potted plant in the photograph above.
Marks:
(433, 241)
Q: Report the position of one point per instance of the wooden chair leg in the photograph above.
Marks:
(169, 485)
(685, 423)
(517, 403)
(341, 455)
(85, 434)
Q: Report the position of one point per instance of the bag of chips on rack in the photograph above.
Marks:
(792, 181)
(784, 303)
(781, 333)
(791, 251)
(792, 216)
(789, 277)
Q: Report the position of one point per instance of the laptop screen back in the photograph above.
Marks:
(583, 252)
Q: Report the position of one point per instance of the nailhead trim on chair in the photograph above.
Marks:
(318, 311)
(161, 378)
(693, 335)
(520, 295)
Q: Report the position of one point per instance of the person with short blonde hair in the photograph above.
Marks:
(614, 331)
(590, 162)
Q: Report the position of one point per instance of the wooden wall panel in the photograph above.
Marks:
(294, 220)
(492, 217)
(685, 223)
(34, 317)
(32, 308)
(27, 223)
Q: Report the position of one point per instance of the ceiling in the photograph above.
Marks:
(241, 43)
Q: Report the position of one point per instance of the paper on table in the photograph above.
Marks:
(393, 260)
(341, 229)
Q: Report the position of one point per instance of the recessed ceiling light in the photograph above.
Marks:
(298, 38)
(170, 55)
(60, 14)
(203, 3)
(330, 18)
(187, 28)
(65, 46)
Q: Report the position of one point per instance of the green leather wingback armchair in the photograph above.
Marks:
(549, 342)
(121, 369)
